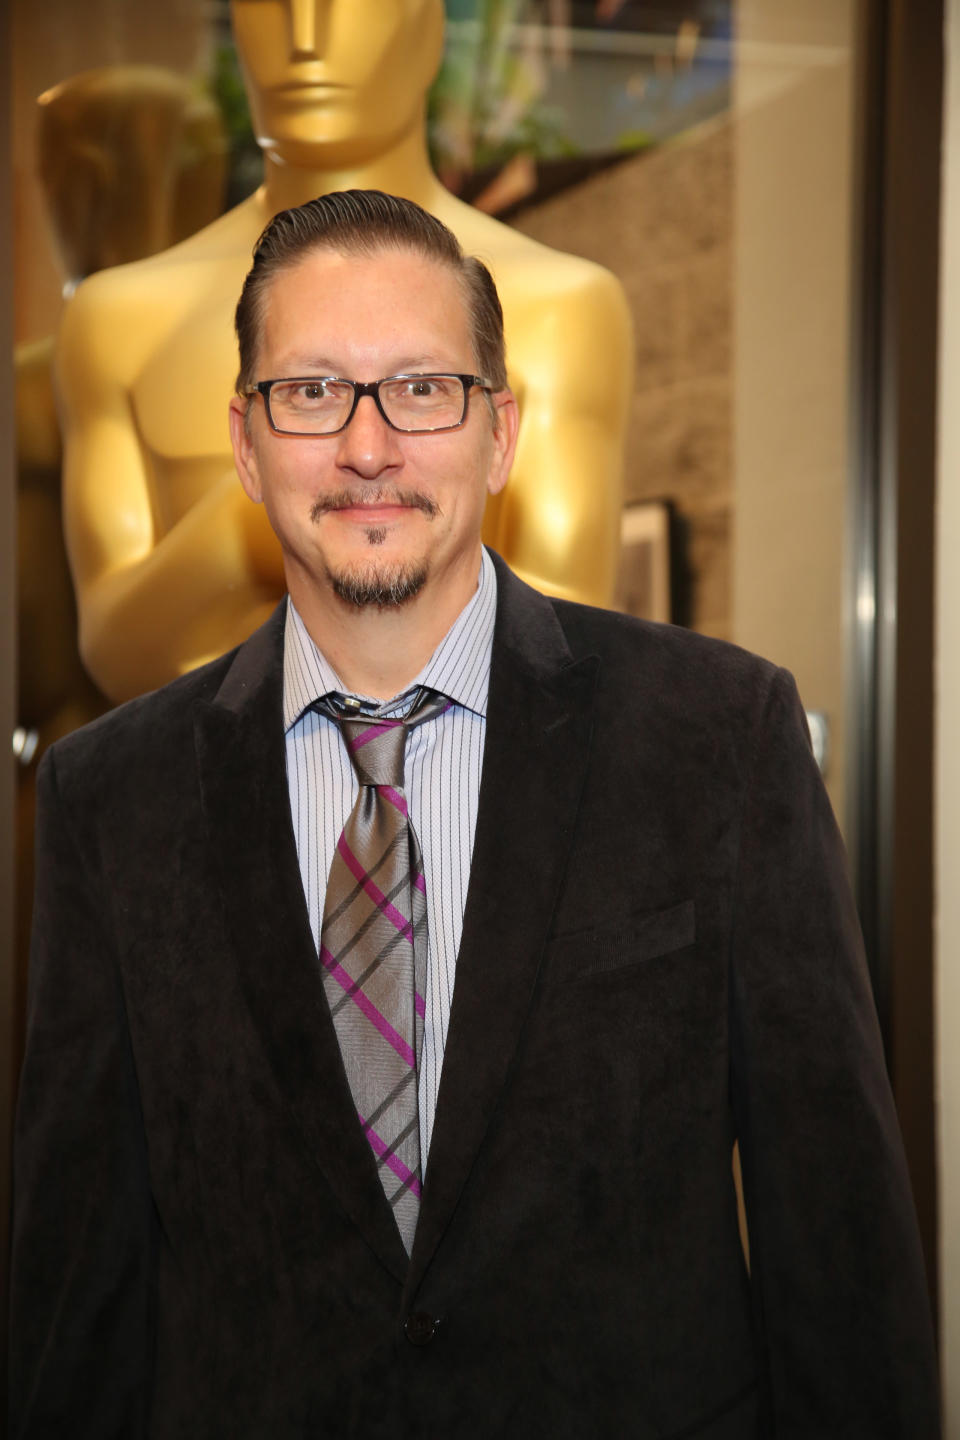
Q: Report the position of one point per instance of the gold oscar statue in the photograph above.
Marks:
(171, 562)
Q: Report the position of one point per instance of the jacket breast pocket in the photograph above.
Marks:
(638, 938)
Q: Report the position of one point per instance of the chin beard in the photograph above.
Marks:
(387, 587)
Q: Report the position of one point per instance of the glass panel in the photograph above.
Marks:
(699, 149)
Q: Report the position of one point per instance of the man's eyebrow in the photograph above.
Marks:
(323, 365)
(309, 365)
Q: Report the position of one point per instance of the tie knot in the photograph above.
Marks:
(376, 749)
(376, 745)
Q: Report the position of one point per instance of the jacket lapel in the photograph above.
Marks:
(539, 721)
(242, 764)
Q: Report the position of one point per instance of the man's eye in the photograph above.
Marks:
(422, 386)
(315, 390)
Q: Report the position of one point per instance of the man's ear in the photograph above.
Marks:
(244, 452)
(506, 425)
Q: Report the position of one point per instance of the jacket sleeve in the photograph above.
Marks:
(83, 1222)
(836, 1268)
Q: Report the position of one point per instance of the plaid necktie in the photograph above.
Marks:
(373, 947)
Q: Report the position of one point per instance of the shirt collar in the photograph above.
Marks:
(458, 668)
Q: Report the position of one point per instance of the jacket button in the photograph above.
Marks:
(420, 1328)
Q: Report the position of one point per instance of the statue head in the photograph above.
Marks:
(334, 83)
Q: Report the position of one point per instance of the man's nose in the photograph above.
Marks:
(308, 23)
(369, 446)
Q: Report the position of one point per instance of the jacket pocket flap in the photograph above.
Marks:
(637, 938)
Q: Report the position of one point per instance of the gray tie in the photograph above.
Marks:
(373, 947)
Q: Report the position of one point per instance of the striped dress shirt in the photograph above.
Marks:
(442, 765)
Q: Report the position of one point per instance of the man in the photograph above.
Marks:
(473, 1178)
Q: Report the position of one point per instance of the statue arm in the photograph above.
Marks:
(559, 519)
(152, 602)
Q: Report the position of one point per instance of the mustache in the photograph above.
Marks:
(346, 498)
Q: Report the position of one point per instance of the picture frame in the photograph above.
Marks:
(643, 584)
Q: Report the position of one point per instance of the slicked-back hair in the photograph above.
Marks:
(365, 223)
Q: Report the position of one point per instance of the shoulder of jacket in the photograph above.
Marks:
(149, 723)
(639, 642)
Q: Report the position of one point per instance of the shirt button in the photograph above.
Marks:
(420, 1328)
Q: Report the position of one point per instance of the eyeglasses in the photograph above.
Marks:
(325, 404)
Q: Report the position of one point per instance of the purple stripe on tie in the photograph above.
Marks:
(420, 883)
(364, 1003)
(383, 904)
(395, 798)
(365, 736)
(380, 1148)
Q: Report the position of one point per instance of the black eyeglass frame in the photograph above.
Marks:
(371, 388)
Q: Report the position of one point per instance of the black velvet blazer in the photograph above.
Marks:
(659, 955)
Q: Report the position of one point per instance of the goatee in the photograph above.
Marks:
(385, 586)
(382, 586)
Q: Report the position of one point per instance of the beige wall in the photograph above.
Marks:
(791, 317)
(947, 792)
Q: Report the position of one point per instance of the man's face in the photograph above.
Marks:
(336, 82)
(370, 509)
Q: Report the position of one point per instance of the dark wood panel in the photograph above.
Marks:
(899, 123)
(7, 673)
